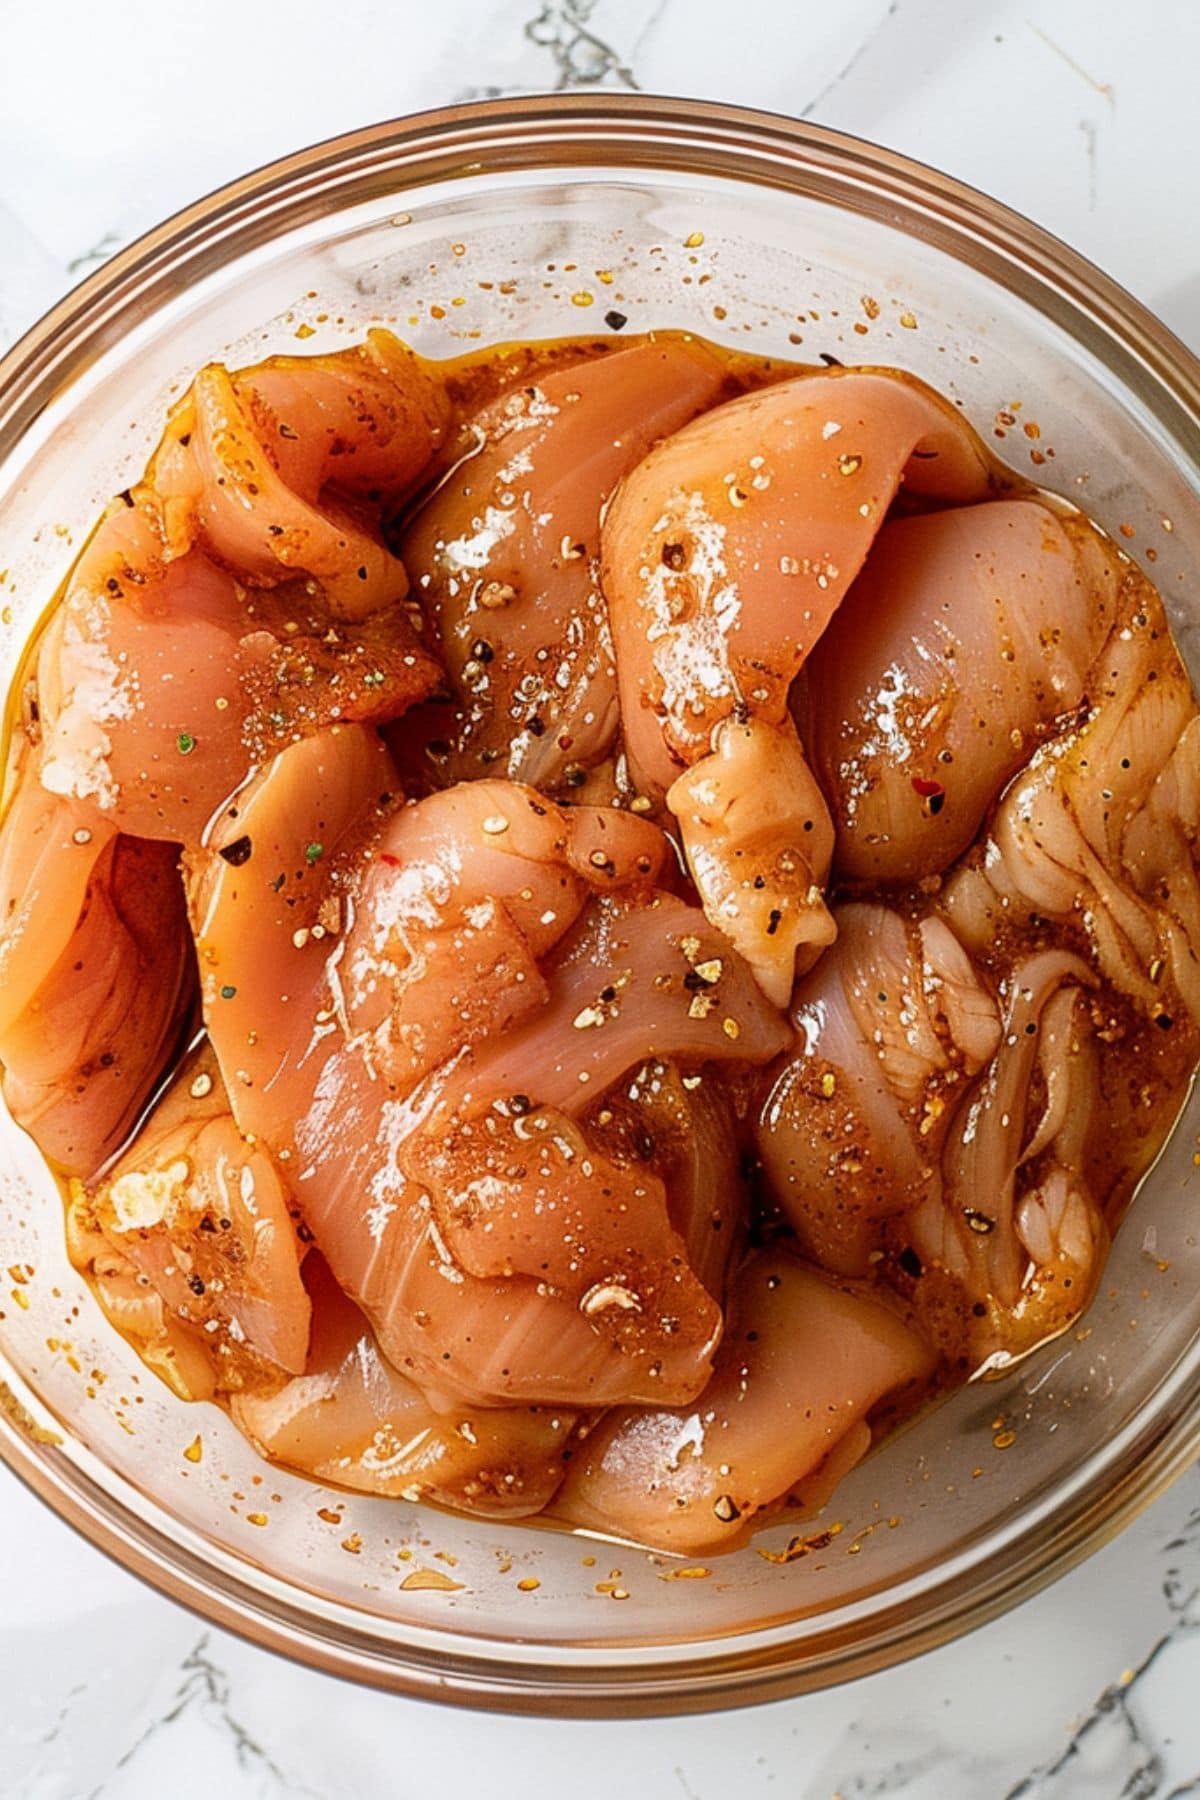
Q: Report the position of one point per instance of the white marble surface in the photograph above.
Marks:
(1078, 112)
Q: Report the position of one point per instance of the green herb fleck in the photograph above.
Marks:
(228, 992)
(185, 743)
(314, 853)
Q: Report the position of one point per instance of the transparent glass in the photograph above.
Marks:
(495, 222)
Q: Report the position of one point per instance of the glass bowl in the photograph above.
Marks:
(547, 217)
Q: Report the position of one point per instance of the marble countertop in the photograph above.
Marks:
(1081, 115)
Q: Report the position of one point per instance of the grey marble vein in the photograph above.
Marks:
(204, 1686)
(868, 44)
(99, 252)
(581, 57)
(1112, 1743)
(576, 49)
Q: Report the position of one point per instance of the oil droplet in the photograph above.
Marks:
(195, 1450)
(431, 1579)
(528, 1583)
(256, 1519)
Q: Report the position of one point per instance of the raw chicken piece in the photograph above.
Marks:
(334, 1097)
(363, 421)
(163, 678)
(172, 1348)
(728, 550)
(83, 1055)
(966, 636)
(197, 1213)
(248, 459)
(504, 558)
(893, 1021)
(354, 1420)
(801, 1365)
(629, 981)
(684, 1128)
(525, 1193)
(465, 892)
(158, 699)
(726, 554)
(759, 841)
(496, 1341)
(49, 848)
(1101, 829)
(1011, 1247)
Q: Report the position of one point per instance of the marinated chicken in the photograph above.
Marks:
(587, 928)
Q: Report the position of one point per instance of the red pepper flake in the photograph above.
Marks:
(932, 792)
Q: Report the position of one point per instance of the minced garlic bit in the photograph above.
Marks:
(606, 1295)
(143, 1199)
(495, 824)
(495, 594)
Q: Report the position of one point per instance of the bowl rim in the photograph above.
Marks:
(642, 130)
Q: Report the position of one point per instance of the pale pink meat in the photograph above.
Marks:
(199, 1213)
(966, 636)
(316, 922)
(1100, 830)
(726, 554)
(759, 842)
(803, 1362)
(504, 558)
(892, 1022)
(228, 604)
(1011, 1246)
(354, 1420)
(82, 1058)
(49, 848)
(684, 1127)
(728, 550)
